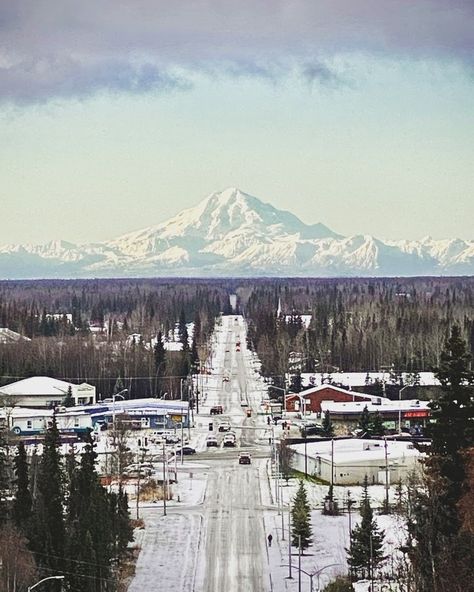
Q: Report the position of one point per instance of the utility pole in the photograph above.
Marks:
(299, 563)
(290, 576)
(386, 477)
(165, 493)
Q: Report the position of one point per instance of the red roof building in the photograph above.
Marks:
(326, 392)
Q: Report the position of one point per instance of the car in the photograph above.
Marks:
(211, 441)
(245, 459)
(217, 410)
(172, 439)
(224, 427)
(229, 442)
(186, 450)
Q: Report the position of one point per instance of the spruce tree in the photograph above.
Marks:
(301, 519)
(47, 533)
(376, 427)
(22, 502)
(364, 420)
(4, 476)
(90, 547)
(328, 428)
(68, 399)
(365, 552)
(442, 546)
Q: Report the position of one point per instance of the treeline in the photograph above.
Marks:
(358, 324)
(110, 358)
(60, 520)
(398, 324)
(37, 308)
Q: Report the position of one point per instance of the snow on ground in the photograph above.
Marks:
(169, 551)
(330, 533)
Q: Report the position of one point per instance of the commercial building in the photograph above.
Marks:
(310, 400)
(348, 461)
(411, 415)
(46, 392)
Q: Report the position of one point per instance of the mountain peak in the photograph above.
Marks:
(232, 232)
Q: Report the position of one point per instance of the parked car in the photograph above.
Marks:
(172, 439)
(186, 450)
(212, 441)
(245, 459)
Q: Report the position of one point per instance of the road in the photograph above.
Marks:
(234, 549)
(219, 545)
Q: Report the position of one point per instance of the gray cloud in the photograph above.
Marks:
(63, 48)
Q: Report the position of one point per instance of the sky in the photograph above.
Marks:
(117, 114)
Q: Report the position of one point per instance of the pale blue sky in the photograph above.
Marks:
(365, 140)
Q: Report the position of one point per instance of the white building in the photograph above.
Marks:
(43, 391)
(9, 336)
(350, 460)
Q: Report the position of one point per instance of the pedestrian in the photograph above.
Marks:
(270, 539)
(268, 420)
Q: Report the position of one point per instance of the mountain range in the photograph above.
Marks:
(231, 233)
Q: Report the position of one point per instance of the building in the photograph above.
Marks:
(46, 392)
(26, 422)
(158, 414)
(411, 415)
(348, 461)
(9, 336)
(312, 398)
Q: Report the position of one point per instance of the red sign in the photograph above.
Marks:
(420, 413)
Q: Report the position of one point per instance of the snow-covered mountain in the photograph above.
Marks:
(232, 233)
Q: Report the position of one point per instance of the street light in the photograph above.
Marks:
(119, 394)
(400, 407)
(44, 580)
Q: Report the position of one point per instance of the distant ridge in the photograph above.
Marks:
(231, 233)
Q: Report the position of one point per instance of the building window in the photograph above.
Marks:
(76, 422)
(29, 424)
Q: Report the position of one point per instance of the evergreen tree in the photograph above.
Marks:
(124, 534)
(376, 427)
(22, 502)
(68, 400)
(301, 519)
(47, 534)
(183, 331)
(4, 475)
(296, 383)
(90, 533)
(328, 428)
(365, 552)
(364, 420)
(442, 546)
(159, 354)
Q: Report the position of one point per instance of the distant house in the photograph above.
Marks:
(9, 336)
(312, 398)
(43, 391)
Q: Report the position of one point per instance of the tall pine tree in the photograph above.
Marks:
(22, 502)
(47, 536)
(301, 531)
(365, 552)
(443, 544)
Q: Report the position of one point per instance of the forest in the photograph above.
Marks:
(112, 333)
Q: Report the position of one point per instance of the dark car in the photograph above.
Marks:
(312, 430)
(217, 410)
(186, 450)
(212, 442)
(244, 459)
